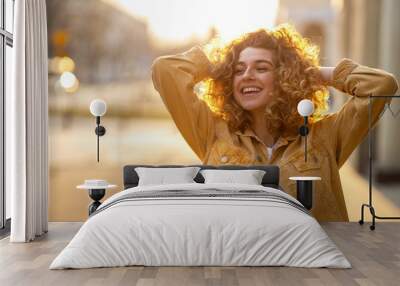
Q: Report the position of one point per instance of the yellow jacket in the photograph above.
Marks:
(330, 141)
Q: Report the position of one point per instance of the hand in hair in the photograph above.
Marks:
(326, 75)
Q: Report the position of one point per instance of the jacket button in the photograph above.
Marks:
(224, 159)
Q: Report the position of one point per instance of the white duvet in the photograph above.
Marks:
(183, 231)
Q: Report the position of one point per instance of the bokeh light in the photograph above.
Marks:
(66, 64)
(69, 81)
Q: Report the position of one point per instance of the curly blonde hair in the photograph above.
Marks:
(296, 77)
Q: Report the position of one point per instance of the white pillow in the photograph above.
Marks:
(163, 176)
(248, 177)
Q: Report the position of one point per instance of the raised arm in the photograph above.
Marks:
(174, 78)
(347, 128)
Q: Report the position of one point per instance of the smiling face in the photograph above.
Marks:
(253, 79)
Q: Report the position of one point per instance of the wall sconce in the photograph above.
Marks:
(98, 108)
(305, 109)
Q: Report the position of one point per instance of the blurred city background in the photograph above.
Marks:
(104, 49)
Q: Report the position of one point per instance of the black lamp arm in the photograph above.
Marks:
(100, 131)
(304, 132)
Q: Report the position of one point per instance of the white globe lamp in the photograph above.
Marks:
(98, 108)
(305, 108)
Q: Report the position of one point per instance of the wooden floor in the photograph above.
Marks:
(374, 255)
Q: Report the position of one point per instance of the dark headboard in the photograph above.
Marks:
(270, 179)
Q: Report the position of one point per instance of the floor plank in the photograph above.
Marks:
(374, 255)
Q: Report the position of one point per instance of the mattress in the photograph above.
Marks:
(201, 225)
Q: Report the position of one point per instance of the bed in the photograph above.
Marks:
(201, 224)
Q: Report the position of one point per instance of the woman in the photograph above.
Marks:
(248, 111)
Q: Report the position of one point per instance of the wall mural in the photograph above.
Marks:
(110, 57)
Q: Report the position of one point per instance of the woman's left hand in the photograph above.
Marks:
(326, 75)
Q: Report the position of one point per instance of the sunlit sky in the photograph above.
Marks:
(172, 21)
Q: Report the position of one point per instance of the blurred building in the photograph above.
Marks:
(318, 20)
(106, 43)
(98, 49)
(368, 32)
(372, 37)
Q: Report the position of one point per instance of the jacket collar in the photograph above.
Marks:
(282, 140)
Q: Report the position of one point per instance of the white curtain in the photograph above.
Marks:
(27, 123)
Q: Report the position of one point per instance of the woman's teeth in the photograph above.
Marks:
(250, 90)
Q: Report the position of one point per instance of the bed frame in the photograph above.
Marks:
(270, 179)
